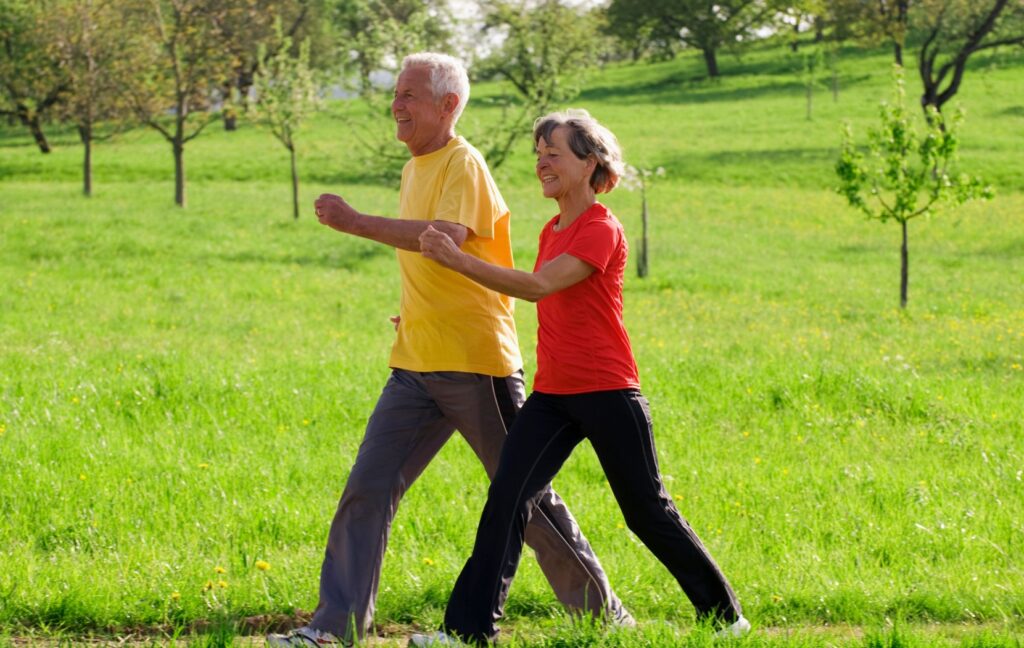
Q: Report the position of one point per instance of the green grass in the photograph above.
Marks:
(182, 391)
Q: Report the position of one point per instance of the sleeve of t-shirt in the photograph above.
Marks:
(595, 243)
(469, 197)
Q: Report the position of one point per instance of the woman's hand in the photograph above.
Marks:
(440, 247)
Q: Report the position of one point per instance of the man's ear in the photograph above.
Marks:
(450, 102)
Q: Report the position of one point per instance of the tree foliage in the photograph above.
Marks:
(374, 36)
(545, 52)
(246, 26)
(707, 26)
(889, 184)
(32, 80)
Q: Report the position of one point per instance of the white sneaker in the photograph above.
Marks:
(304, 637)
(435, 639)
(739, 628)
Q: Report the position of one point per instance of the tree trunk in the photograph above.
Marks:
(711, 60)
(179, 171)
(85, 134)
(897, 50)
(230, 120)
(295, 184)
(32, 121)
(641, 267)
(904, 267)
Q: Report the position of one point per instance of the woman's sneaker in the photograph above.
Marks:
(739, 628)
(434, 639)
(305, 637)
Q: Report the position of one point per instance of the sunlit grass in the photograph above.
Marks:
(182, 392)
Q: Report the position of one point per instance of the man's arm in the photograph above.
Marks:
(334, 212)
(560, 273)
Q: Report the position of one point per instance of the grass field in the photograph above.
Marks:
(182, 391)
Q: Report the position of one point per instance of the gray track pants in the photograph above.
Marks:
(414, 417)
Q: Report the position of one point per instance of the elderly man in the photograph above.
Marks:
(455, 365)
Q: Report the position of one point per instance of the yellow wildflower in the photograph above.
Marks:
(262, 565)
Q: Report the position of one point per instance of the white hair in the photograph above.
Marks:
(447, 75)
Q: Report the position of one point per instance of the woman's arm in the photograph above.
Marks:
(560, 273)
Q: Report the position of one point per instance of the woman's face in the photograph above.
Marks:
(560, 172)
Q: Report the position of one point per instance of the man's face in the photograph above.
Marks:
(420, 118)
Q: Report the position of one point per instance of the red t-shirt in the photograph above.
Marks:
(582, 345)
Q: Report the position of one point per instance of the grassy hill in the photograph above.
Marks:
(182, 391)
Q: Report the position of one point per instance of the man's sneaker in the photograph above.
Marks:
(623, 619)
(305, 637)
(434, 639)
(740, 628)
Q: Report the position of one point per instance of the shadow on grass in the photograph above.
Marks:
(684, 88)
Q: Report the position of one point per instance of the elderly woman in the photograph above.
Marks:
(586, 387)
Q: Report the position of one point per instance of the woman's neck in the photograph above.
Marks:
(571, 206)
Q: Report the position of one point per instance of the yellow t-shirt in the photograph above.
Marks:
(449, 322)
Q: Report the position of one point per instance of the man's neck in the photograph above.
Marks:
(435, 144)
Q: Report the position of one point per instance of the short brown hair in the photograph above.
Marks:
(586, 137)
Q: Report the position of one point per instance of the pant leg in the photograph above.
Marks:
(618, 425)
(483, 414)
(539, 442)
(403, 434)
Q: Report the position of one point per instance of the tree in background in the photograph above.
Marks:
(32, 81)
(374, 36)
(285, 93)
(640, 178)
(707, 26)
(544, 55)
(812, 65)
(872, 22)
(890, 185)
(181, 72)
(952, 31)
(246, 26)
(797, 15)
(95, 54)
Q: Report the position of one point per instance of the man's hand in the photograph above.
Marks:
(440, 247)
(334, 212)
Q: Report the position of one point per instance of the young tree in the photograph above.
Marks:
(707, 26)
(546, 51)
(640, 178)
(285, 93)
(95, 54)
(953, 31)
(812, 64)
(180, 72)
(890, 185)
(32, 82)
